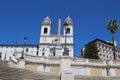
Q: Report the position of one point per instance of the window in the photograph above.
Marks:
(52, 41)
(103, 55)
(37, 47)
(68, 31)
(0, 54)
(37, 53)
(110, 57)
(43, 48)
(26, 49)
(43, 54)
(107, 56)
(103, 50)
(56, 39)
(54, 54)
(45, 30)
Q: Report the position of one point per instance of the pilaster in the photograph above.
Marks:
(65, 67)
(111, 70)
(87, 68)
(40, 67)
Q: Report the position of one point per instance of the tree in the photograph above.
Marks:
(112, 27)
(91, 51)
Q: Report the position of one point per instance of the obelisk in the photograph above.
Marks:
(59, 29)
(58, 44)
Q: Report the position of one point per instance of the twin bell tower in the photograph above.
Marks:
(59, 44)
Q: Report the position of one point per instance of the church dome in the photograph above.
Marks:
(69, 21)
(47, 21)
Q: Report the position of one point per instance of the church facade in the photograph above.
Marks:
(54, 45)
(49, 45)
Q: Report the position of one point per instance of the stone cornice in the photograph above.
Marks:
(70, 44)
(56, 35)
(18, 45)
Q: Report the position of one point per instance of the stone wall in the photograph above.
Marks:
(96, 72)
(55, 69)
(62, 68)
(75, 66)
(32, 67)
(118, 72)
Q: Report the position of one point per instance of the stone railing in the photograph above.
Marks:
(54, 61)
(74, 61)
(88, 62)
(42, 59)
(76, 66)
(34, 59)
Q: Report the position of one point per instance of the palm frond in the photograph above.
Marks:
(112, 26)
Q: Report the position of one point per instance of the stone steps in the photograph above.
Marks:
(96, 78)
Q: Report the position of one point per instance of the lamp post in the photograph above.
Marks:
(65, 53)
(37, 50)
(22, 56)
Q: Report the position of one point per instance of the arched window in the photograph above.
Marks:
(68, 31)
(45, 30)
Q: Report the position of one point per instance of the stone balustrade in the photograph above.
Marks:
(34, 59)
(76, 66)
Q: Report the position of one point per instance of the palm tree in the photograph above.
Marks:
(112, 27)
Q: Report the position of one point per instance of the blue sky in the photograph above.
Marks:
(19, 18)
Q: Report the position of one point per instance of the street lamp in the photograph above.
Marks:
(22, 56)
(37, 50)
(65, 53)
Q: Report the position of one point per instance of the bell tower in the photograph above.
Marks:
(55, 45)
(46, 26)
(68, 37)
(45, 37)
(68, 29)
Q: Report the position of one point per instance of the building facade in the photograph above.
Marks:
(53, 45)
(49, 46)
(105, 49)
